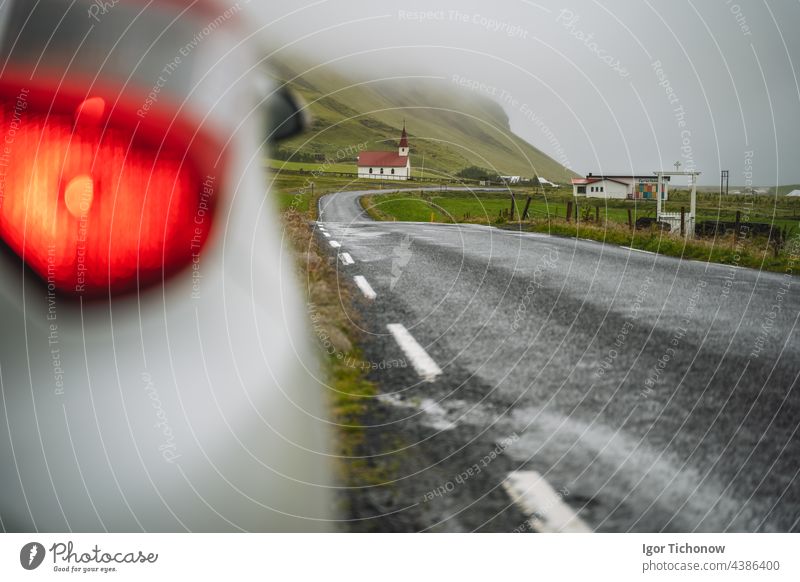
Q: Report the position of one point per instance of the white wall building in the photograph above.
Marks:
(386, 165)
(619, 186)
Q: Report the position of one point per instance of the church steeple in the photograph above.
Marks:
(404, 142)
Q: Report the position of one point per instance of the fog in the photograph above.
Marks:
(611, 87)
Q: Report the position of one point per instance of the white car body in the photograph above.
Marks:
(193, 405)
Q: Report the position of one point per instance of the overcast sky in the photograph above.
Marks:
(589, 73)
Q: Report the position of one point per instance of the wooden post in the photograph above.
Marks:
(737, 226)
(630, 219)
(658, 196)
(683, 221)
(569, 211)
(513, 207)
(527, 206)
(597, 214)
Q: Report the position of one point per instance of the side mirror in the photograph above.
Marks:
(287, 115)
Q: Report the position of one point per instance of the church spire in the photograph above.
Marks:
(404, 141)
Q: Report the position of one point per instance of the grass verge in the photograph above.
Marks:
(752, 252)
(352, 394)
(755, 254)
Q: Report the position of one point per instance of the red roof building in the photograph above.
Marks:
(382, 159)
(387, 165)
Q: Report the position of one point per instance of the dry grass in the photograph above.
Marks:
(755, 253)
(335, 329)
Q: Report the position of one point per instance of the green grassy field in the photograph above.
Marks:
(310, 167)
(548, 214)
(487, 207)
(345, 168)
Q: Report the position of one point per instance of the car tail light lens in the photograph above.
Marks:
(93, 201)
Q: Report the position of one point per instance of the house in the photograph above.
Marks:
(620, 186)
(386, 165)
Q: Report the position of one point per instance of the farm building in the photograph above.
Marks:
(386, 165)
(618, 186)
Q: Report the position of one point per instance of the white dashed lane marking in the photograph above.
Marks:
(543, 505)
(365, 287)
(325, 234)
(420, 360)
(346, 258)
(335, 244)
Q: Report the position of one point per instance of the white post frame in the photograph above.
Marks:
(690, 219)
(658, 195)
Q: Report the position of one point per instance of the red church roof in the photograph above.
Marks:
(382, 159)
(386, 159)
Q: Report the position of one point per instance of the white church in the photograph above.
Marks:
(386, 165)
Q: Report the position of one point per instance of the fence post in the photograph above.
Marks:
(527, 206)
(569, 211)
(736, 226)
(597, 214)
(513, 206)
(630, 219)
(683, 221)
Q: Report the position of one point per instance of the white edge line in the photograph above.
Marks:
(420, 360)
(325, 234)
(542, 505)
(639, 250)
(365, 287)
(335, 244)
(346, 258)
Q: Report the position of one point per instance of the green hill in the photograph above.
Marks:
(449, 127)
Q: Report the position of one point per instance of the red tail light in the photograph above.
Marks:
(96, 206)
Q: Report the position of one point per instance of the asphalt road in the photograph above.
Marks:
(649, 393)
